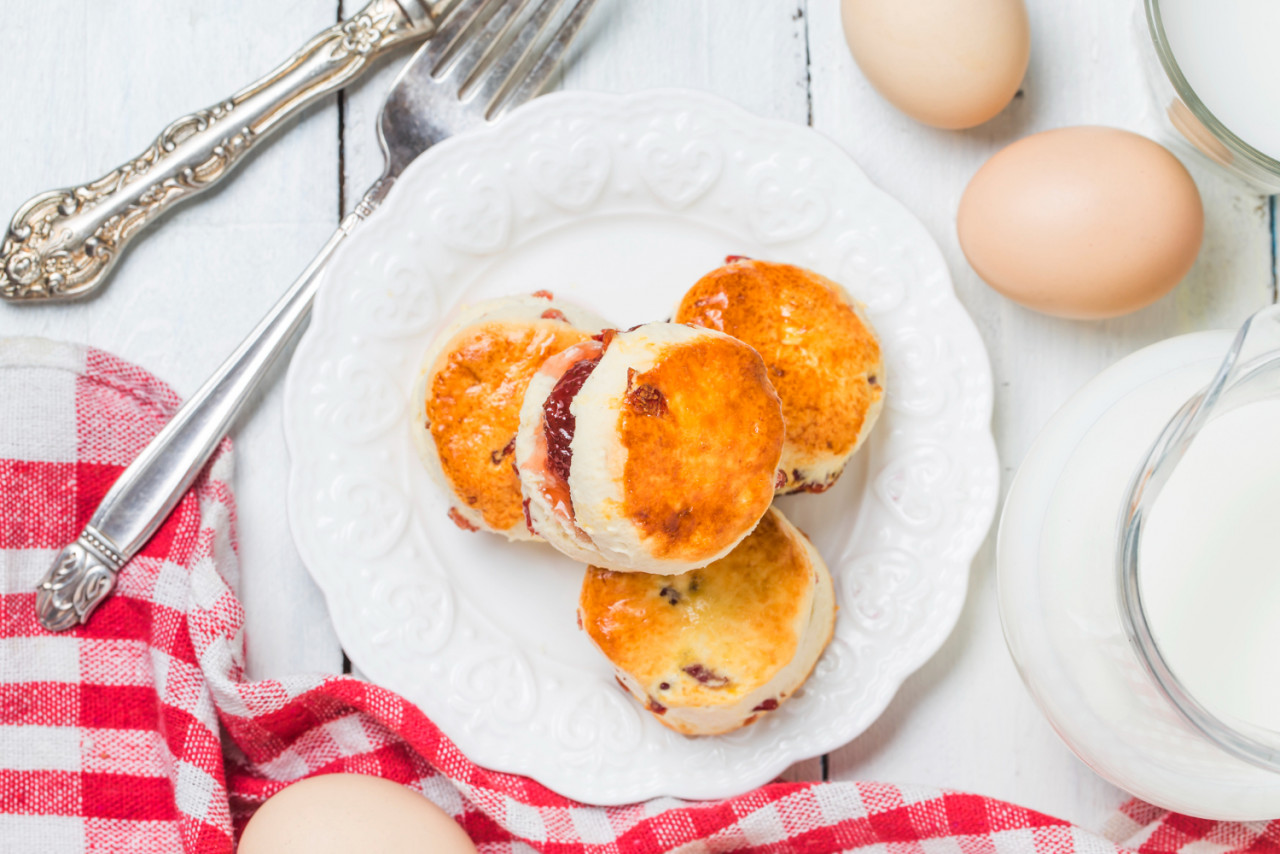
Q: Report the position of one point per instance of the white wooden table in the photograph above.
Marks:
(87, 84)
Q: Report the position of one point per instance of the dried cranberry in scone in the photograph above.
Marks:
(715, 648)
(652, 450)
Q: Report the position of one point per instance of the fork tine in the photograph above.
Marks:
(469, 57)
(537, 77)
(499, 73)
(461, 18)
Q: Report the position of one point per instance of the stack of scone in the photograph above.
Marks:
(653, 456)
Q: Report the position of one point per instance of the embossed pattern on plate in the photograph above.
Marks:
(620, 203)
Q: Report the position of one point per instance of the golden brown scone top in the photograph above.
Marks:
(703, 431)
(710, 635)
(822, 358)
(473, 408)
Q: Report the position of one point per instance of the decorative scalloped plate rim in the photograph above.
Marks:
(575, 190)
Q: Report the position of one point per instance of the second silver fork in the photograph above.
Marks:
(486, 59)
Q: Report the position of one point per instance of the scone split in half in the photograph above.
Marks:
(467, 401)
(822, 354)
(651, 450)
(713, 649)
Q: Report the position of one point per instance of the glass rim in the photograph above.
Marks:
(1255, 744)
(1155, 26)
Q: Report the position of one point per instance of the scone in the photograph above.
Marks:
(823, 358)
(467, 401)
(713, 649)
(651, 450)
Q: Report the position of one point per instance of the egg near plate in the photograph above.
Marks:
(948, 63)
(1082, 222)
(344, 813)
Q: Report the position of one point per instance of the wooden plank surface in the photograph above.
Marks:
(89, 87)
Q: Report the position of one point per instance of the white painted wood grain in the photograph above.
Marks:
(751, 53)
(88, 87)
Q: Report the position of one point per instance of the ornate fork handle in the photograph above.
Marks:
(62, 244)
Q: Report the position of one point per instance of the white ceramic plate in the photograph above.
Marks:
(621, 203)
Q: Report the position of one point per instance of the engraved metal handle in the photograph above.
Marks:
(62, 244)
(83, 574)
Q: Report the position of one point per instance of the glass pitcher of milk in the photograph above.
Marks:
(1211, 66)
(1138, 572)
(1199, 552)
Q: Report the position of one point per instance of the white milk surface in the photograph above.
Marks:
(1226, 50)
(1209, 565)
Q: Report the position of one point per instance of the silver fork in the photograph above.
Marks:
(487, 57)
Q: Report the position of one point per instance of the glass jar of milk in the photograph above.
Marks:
(1200, 552)
(1138, 565)
(1212, 69)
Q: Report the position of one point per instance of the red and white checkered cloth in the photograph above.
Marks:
(138, 732)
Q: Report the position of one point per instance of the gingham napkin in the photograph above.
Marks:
(138, 732)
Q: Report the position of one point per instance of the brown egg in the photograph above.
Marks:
(1082, 222)
(348, 813)
(947, 63)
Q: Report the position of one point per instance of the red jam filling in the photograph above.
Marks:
(606, 337)
(558, 421)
